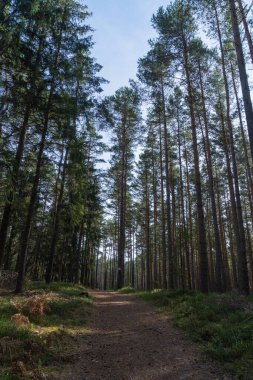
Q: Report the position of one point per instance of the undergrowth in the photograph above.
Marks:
(223, 324)
(38, 329)
(127, 290)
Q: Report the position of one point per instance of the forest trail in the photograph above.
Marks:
(130, 341)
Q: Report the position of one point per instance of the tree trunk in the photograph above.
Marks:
(168, 192)
(147, 234)
(202, 245)
(241, 242)
(122, 214)
(19, 155)
(49, 270)
(219, 272)
(164, 255)
(14, 184)
(246, 28)
(243, 73)
(185, 232)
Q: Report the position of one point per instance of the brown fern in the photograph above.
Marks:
(20, 320)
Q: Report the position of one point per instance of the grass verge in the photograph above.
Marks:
(222, 323)
(38, 326)
(127, 290)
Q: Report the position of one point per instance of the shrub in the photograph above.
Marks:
(33, 305)
(20, 320)
(127, 290)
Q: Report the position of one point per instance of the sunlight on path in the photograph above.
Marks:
(130, 341)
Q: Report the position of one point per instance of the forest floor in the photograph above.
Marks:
(40, 329)
(129, 340)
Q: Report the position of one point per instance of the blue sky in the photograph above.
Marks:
(122, 30)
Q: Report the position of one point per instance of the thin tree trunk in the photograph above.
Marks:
(192, 261)
(241, 242)
(168, 192)
(18, 157)
(240, 253)
(14, 184)
(219, 272)
(155, 217)
(243, 74)
(122, 217)
(246, 28)
(164, 255)
(147, 230)
(185, 232)
(26, 232)
(49, 270)
(245, 148)
(202, 245)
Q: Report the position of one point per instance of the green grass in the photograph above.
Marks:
(9, 376)
(68, 309)
(6, 308)
(62, 288)
(51, 336)
(218, 322)
(7, 328)
(68, 312)
(127, 290)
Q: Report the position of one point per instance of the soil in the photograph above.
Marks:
(130, 341)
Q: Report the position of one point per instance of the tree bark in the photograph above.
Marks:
(246, 28)
(168, 192)
(219, 272)
(243, 73)
(49, 270)
(202, 244)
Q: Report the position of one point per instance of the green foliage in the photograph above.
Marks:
(9, 376)
(68, 309)
(70, 313)
(127, 290)
(62, 288)
(8, 329)
(162, 297)
(66, 313)
(46, 46)
(219, 322)
(6, 308)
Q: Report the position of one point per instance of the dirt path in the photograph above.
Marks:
(131, 342)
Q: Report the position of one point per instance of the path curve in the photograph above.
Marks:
(130, 341)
